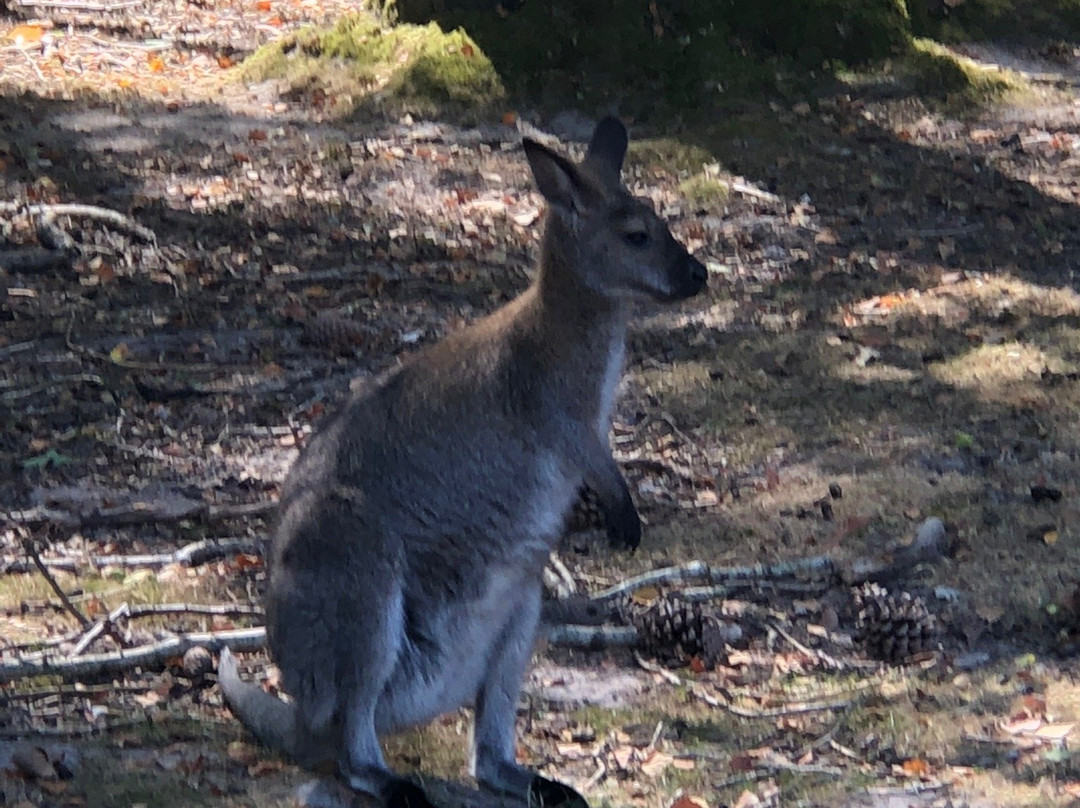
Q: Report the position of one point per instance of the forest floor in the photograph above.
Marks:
(892, 314)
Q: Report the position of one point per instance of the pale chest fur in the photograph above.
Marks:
(612, 375)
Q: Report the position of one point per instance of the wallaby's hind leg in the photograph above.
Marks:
(494, 763)
(375, 658)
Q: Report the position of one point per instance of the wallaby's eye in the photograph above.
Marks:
(637, 238)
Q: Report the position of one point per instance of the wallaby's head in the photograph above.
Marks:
(615, 244)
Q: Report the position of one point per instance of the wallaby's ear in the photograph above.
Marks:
(556, 177)
(608, 148)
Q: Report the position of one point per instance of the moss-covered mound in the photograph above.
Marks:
(673, 53)
(362, 59)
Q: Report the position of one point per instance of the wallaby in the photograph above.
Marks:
(405, 572)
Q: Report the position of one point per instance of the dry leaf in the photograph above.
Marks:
(119, 353)
(655, 763)
(748, 799)
(26, 34)
(148, 699)
(624, 756)
(1021, 725)
(1054, 732)
(686, 801)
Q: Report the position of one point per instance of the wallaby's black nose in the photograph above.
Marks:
(696, 276)
(698, 271)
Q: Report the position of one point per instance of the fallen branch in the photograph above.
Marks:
(244, 640)
(137, 513)
(79, 5)
(190, 555)
(102, 626)
(591, 637)
(150, 656)
(695, 570)
(216, 609)
(752, 192)
(52, 386)
(115, 219)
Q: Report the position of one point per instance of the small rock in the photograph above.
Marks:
(1045, 493)
(197, 662)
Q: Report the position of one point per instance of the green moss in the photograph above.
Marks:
(704, 191)
(937, 72)
(996, 19)
(365, 59)
(668, 154)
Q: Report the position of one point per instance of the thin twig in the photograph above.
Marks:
(31, 550)
(660, 670)
(813, 653)
(793, 709)
(52, 386)
(117, 220)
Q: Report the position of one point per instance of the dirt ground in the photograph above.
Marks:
(892, 313)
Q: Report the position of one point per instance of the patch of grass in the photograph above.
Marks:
(938, 72)
(364, 59)
(705, 190)
(667, 154)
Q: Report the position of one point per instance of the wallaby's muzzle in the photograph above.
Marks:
(690, 280)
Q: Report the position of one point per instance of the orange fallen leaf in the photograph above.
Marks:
(224, 62)
(915, 767)
(156, 63)
(26, 34)
(257, 135)
(509, 118)
(262, 5)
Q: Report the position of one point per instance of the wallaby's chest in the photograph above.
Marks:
(447, 648)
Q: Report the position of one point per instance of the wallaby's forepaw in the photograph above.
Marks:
(544, 793)
(403, 794)
(624, 526)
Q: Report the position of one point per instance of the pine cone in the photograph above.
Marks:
(585, 515)
(333, 331)
(893, 626)
(668, 627)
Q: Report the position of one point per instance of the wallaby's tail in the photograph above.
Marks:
(270, 719)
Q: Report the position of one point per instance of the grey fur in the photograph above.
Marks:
(405, 573)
